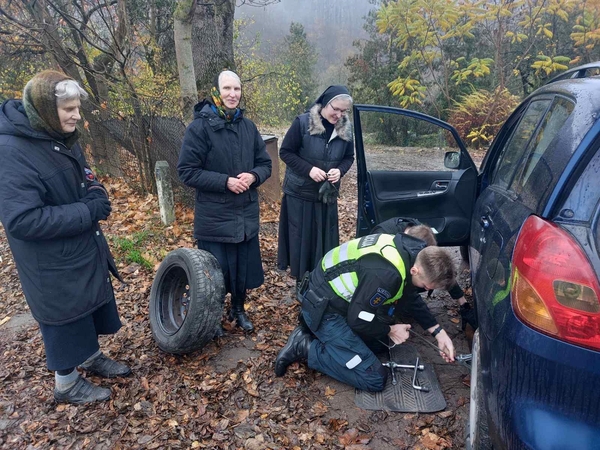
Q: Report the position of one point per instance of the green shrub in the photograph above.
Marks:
(135, 256)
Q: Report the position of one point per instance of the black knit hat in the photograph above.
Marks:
(330, 93)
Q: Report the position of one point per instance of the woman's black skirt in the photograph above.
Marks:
(307, 230)
(241, 264)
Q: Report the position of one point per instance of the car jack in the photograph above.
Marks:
(415, 367)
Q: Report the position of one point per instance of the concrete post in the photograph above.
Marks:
(272, 187)
(165, 192)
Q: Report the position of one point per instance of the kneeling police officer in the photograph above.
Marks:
(346, 299)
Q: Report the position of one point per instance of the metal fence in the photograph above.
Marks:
(165, 137)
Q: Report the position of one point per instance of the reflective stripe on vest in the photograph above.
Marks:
(344, 258)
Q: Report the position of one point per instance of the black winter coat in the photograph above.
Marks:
(315, 151)
(214, 150)
(62, 256)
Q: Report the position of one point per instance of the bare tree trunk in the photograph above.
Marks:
(212, 38)
(184, 13)
(52, 39)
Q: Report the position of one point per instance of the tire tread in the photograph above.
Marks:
(207, 293)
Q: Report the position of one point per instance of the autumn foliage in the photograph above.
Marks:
(478, 116)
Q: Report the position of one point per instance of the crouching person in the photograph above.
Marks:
(50, 205)
(341, 300)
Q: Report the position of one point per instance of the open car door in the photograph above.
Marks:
(413, 165)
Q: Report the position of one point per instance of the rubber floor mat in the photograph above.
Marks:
(403, 397)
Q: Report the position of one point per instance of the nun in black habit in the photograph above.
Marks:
(318, 151)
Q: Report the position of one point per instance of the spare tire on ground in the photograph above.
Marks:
(186, 300)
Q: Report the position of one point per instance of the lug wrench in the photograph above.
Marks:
(416, 367)
(416, 386)
(462, 359)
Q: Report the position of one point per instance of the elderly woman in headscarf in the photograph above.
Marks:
(224, 158)
(318, 151)
(50, 205)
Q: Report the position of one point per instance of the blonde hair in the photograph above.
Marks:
(422, 232)
(69, 90)
(437, 266)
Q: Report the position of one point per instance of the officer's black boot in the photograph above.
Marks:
(468, 316)
(238, 314)
(296, 349)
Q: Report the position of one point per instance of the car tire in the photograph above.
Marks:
(477, 430)
(186, 300)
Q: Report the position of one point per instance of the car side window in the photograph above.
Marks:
(535, 177)
(512, 153)
(397, 142)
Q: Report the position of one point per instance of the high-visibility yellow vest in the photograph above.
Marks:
(339, 264)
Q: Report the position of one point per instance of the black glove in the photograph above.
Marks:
(98, 204)
(95, 193)
(328, 193)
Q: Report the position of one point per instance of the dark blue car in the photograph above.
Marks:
(529, 215)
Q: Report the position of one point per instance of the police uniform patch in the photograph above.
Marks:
(89, 175)
(379, 297)
(367, 241)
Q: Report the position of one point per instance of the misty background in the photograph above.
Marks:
(331, 27)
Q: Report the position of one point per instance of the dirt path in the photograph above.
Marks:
(223, 397)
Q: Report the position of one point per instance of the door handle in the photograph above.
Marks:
(440, 185)
(485, 222)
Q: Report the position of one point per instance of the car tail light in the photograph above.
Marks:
(554, 287)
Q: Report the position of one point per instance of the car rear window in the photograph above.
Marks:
(536, 175)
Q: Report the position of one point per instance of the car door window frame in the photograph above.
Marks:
(452, 222)
(465, 161)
